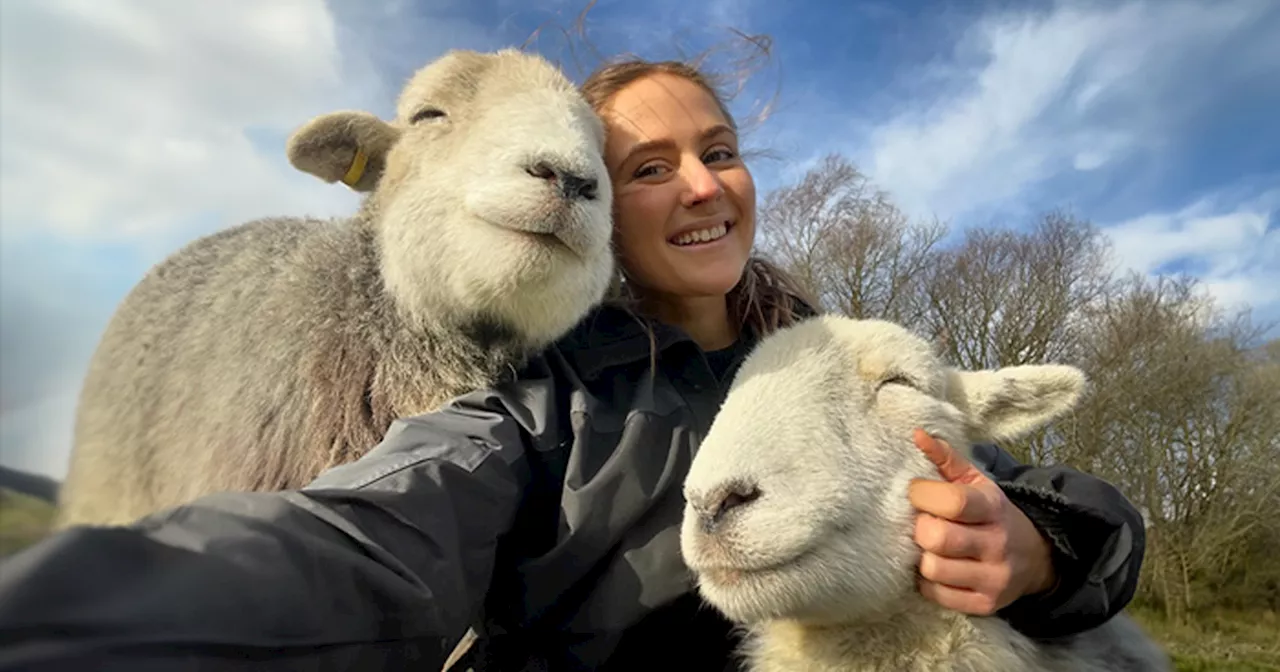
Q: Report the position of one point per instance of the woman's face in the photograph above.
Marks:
(684, 202)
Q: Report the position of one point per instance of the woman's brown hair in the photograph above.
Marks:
(766, 298)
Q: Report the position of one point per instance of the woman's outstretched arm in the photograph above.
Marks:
(378, 564)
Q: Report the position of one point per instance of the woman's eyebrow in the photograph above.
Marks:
(667, 143)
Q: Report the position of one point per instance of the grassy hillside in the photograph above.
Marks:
(1223, 641)
(23, 520)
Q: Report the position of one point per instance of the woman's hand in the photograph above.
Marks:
(979, 551)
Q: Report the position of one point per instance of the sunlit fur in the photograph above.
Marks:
(820, 566)
(258, 356)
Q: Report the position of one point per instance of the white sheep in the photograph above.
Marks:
(257, 357)
(797, 524)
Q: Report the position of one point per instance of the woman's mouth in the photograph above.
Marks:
(702, 236)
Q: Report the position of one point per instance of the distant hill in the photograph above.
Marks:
(31, 485)
(24, 520)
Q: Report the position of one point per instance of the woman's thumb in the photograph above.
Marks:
(953, 466)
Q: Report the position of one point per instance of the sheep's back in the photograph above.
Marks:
(207, 371)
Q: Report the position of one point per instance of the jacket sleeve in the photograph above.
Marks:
(1097, 536)
(378, 564)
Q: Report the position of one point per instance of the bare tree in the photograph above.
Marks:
(849, 244)
(1004, 297)
(1183, 418)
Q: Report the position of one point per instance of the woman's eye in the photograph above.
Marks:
(425, 114)
(646, 171)
(718, 155)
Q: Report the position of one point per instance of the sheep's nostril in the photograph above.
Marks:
(734, 498)
(572, 186)
(541, 170)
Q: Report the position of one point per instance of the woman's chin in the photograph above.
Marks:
(714, 278)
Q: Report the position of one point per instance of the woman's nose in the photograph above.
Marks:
(703, 184)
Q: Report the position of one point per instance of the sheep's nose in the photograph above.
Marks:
(713, 507)
(572, 186)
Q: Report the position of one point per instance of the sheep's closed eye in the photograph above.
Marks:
(895, 380)
(425, 114)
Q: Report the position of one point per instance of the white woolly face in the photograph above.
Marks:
(495, 201)
(797, 498)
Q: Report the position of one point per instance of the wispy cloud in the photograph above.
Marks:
(114, 125)
(1142, 115)
(1029, 97)
(1231, 244)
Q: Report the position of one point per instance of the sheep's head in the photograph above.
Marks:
(797, 498)
(488, 191)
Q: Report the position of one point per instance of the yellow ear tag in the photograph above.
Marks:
(356, 171)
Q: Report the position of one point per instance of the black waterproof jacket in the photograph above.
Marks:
(546, 511)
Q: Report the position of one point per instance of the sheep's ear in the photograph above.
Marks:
(350, 147)
(1004, 404)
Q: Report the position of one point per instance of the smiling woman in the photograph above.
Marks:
(684, 205)
(685, 200)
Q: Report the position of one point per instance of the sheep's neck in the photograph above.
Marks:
(918, 638)
(433, 362)
(427, 355)
(420, 359)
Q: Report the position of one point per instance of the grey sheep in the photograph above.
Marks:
(797, 524)
(258, 356)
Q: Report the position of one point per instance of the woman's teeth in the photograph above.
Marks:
(702, 235)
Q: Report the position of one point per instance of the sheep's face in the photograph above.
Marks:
(797, 498)
(490, 194)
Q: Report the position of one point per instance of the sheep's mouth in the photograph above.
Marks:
(541, 238)
(730, 576)
(557, 237)
(545, 238)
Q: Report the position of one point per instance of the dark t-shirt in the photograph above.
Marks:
(722, 360)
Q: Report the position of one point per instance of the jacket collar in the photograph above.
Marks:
(611, 336)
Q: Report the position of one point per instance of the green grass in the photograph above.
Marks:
(24, 520)
(1218, 641)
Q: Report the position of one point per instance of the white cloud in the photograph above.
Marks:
(1027, 97)
(1232, 246)
(123, 119)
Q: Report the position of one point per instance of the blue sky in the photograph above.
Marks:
(129, 127)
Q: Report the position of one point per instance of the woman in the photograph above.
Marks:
(547, 511)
